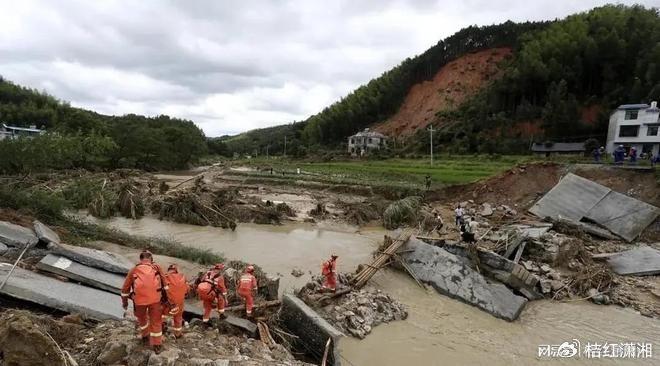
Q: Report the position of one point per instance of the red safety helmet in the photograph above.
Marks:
(333, 256)
(146, 254)
(219, 266)
(173, 267)
(249, 269)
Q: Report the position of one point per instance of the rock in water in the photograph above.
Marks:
(453, 276)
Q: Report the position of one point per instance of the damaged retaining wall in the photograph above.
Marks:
(312, 329)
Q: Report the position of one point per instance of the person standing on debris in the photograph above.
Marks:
(212, 289)
(178, 289)
(329, 272)
(468, 231)
(428, 181)
(146, 285)
(247, 289)
(438, 222)
(459, 215)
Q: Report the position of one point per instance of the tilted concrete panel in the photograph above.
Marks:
(642, 261)
(91, 276)
(64, 296)
(623, 215)
(571, 198)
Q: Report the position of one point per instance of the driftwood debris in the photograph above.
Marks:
(265, 304)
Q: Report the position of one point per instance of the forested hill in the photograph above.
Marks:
(78, 138)
(560, 83)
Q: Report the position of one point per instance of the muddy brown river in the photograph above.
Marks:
(439, 330)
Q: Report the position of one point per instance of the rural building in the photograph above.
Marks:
(635, 125)
(366, 141)
(554, 148)
(13, 132)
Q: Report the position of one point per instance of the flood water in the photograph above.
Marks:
(439, 330)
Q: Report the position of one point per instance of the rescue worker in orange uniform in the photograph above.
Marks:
(247, 289)
(212, 289)
(329, 272)
(178, 289)
(145, 284)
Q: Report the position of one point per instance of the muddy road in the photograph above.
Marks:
(439, 330)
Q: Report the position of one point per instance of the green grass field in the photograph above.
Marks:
(392, 172)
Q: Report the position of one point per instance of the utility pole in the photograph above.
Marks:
(285, 146)
(431, 139)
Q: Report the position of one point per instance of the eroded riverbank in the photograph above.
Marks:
(439, 330)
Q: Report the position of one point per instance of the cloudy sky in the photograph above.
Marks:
(231, 66)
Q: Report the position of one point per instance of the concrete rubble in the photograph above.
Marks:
(93, 258)
(64, 296)
(641, 261)
(17, 236)
(357, 312)
(454, 276)
(45, 234)
(90, 276)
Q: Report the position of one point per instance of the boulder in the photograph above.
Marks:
(22, 343)
(17, 236)
(113, 352)
(45, 234)
(168, 357)
(453, 276)
(486, 209)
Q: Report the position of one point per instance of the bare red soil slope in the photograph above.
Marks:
(451, 86)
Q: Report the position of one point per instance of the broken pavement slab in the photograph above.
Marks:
(575, 198)
(17, 236)
(45, 234)
(453, 276)
(641, 261)
(307, 324)
(65, 296)
(75, 271)
(241, 323)
(94, 258)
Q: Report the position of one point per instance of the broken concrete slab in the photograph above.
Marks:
(486, 209)
(241, 323)
(575, 198)
(641, 261)
(94, 258)
(17, 236)
(45, 234)
(532, 232)
(571, 198)
(625, 216)
(91, 276)
(270, 287)
(307, 324)
(452, 275)
(64, 296)
(3, 249)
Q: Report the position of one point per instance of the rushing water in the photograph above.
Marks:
(439, 330)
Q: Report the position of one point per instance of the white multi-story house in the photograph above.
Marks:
(635, 125)
(365, 141)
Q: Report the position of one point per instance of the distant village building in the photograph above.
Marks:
(366, 141)
(554, 148)
(12, 132)
(635, 125)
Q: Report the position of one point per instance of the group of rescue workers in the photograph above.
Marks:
(158, 296)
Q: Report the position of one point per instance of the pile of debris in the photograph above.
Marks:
(355, 312)
(30, 339)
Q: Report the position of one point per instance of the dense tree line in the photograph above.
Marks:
(605, 57)
(78, 138)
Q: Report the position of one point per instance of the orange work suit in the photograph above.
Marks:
(247, 285)
(143, 284)
(329, 272)
(212, 289)
(178, 288)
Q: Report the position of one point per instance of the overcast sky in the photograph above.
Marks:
(231, 66)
